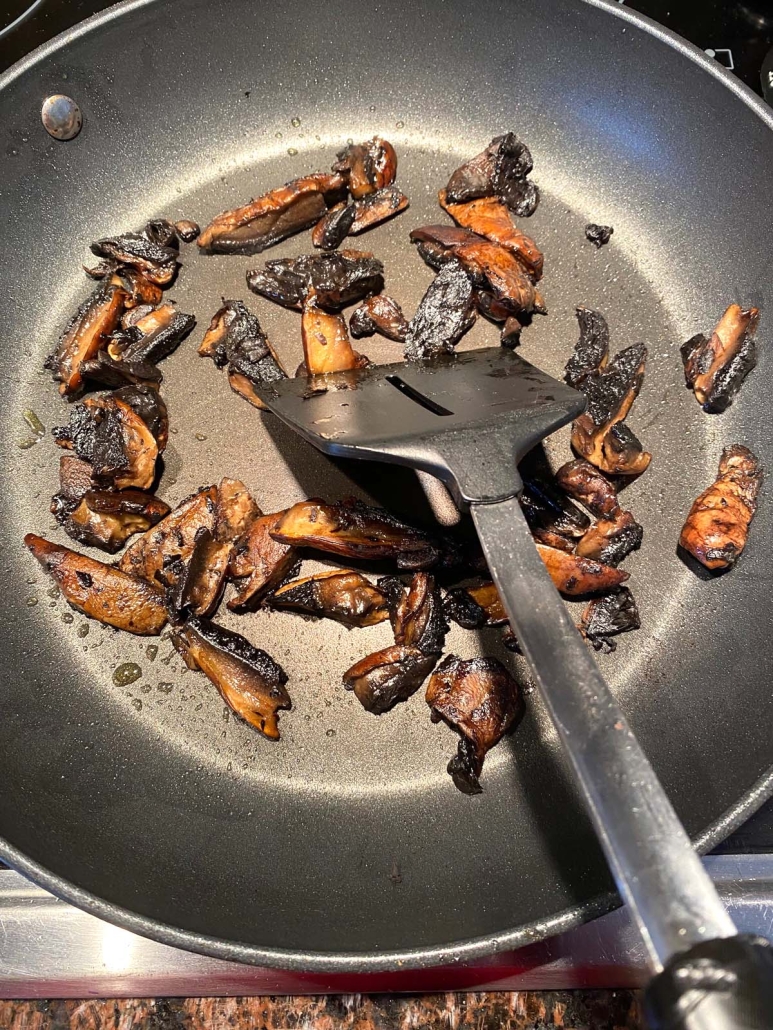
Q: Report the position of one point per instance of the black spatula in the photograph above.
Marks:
(468, 420)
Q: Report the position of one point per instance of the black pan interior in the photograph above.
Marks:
(345, 845)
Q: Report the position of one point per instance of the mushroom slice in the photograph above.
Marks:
(333, 228)
(368, 167)
(75, 478)
(107, 518)
(544, 502)
(101, 591)
(259, 561)
(187, 230)
(718, 524)
(107, 371)
(386, 677)
(251, 683)
(445, 314)
(354, 529)
(340, 278)
(140, 291)
(152, 337)
(84, 335)
(610, 540)
(598, 235)
(379, 314)
(196, 584)
(481, 701)
(591, 351)
(155, 261)
(282, 212)
(377, 207)
(326, 344)
(235, 338)
(599, 434)
(476, 606)
(500, 170)
(345, 596)
(173, 538)
(419, 620)
(606, 617)
(586, 484)
(492, 269)
(108, 434)
(716, 368)
(490, 217)
(574, 575)
(147, 402)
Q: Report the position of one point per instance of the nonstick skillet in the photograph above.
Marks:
(345, 846)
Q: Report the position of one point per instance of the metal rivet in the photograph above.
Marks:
(61, 117)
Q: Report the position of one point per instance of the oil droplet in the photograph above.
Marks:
(292, 151)
(137, 704)
(151, 651)
(83, 630)
(278, 135)
(68, 617)
(24, 445)
(295, 122)
(350, 142)
(53, 591)
(331, 733)
(34, 422)
(200, 437)
(400, 125)
(372, 107)
(174, 429)
(165, 688)
(146, 688)
(31, 602)
(127, 673)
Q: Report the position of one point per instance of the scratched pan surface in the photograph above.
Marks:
(344, 846)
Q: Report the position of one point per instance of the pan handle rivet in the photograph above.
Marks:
(61, 117)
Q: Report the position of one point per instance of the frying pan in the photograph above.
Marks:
(344, 846)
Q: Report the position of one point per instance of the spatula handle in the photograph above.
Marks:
(655, 867)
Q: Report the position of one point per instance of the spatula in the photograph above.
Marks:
(468, 419)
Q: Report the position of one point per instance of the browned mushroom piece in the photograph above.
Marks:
(501, 170)
(259, 562)
(251, 683)
(475, 606)
(106, 518)
(610, 540)
(173, 538)
(140, 291)
(145, 401)
(446, 312)
(368, 166)
(379, 314)
(101, 591)
(354, 529)
(493, 270)
(342, 595)
(196, 584)
(377, 207)
(326, 344)
(510, 336)
(384, 678)
(552, 539)
(575, 576)
(187, 230)
(273, 217)
(598, 235)
(75, 479)
(481, 701)
(108, 434)
(591, 351)
(153, 337)
(339, 278)
(544, 502)
(85, 334)
(586, 484)
(417, 614)
(715, 368)
(490, 217)
(718, 523)
(600, 434)
(333, 228)
(108, 372)
(606, 617)
(154, 259)
(235, 338)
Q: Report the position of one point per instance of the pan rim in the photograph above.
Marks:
(463, 950)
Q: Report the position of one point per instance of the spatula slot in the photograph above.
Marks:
(419, 398)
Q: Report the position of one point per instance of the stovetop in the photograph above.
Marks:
(737, 33)
(49, 949)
